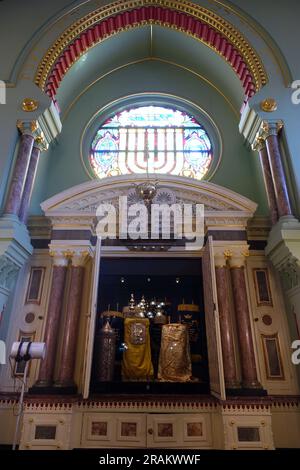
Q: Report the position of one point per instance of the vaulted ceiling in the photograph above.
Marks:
(155, 44)
(34, 19)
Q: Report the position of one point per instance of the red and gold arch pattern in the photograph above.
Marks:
(192, 19)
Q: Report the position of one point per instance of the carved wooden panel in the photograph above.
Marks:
(130, 428)
(97, 428)
(248, 434)
(179, 430)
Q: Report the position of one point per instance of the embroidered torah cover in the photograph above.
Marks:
(137, 365)
(175, 357)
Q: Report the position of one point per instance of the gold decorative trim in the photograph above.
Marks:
(210, 18)
(29, 105)
(260, 31)
(269, 105)
(228, 254)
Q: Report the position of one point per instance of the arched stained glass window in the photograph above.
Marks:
(151, 139)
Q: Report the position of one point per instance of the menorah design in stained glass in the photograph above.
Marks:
(151, 139)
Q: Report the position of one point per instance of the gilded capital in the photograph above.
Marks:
(28, 127)
(79, 258)
(59, 258)
(269, 128)
(220, 260)
(238, 258)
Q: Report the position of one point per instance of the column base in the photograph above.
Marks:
(246, 392)
(252, 385)
(43, 383)
(52, 390)
(67, 387)
(233, 385)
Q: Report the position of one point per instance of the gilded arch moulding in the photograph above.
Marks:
(194, 20)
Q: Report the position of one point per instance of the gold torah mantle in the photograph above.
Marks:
(137, 365)
(175, 358)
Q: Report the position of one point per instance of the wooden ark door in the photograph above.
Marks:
(91, 321)
(212, 323)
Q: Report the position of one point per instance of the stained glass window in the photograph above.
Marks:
(151, 139)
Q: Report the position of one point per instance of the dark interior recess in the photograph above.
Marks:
(174, 281)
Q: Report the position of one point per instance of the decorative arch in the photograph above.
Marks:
(194, 20)
(221, 204)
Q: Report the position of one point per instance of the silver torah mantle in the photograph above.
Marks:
(106, 352)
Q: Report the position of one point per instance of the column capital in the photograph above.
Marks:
(60, 257)
(29, 127)
(32, 127)
(221, 257)
(80, 257)
(75, 253)
(269, 128)
(237, 259)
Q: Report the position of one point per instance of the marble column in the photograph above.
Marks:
(227, 337)
(268, 180)
(28, 188)
(53, 319)
(246, 347)
(275, 159)
(13, 201)
(71, 327)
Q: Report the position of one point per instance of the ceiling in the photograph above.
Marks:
(34, 19)
(159, 45)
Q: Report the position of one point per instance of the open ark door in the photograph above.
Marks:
(91, 320)
(212, 323)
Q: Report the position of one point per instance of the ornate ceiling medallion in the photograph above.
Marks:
(29, 105)
(269, 105)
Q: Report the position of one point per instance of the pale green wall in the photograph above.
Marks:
(61, 168)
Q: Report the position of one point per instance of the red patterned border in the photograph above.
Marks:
(150, 14)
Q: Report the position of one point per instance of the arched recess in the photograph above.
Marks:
(198, 22)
